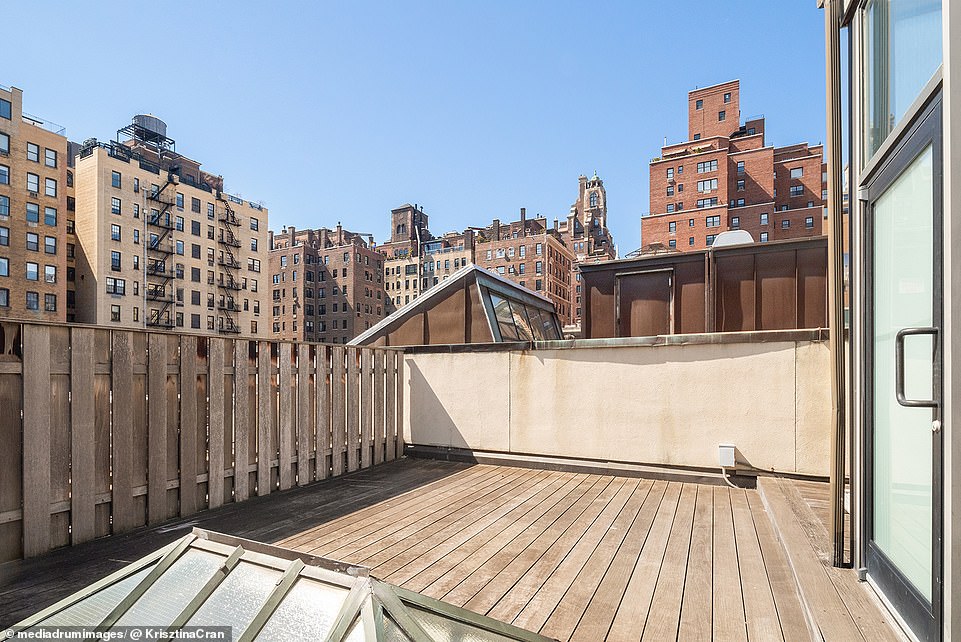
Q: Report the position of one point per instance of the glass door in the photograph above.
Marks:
(903, 434)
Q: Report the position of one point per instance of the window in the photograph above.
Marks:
(797, 190)
(114, 232)
(33, 213)
(707, 166)
(763, 219)
(672, 226)
(33, 271)
(195, 205)
(5, 109)
(50, 216)
(690, 241)
(539, 249)
(4, 206)
(707, 202)
(763, 237)
(690, 222)
(735, 222)
(253, 265)
(670, 190)
(697, 137)
(254, 224)
(50, 187)
(4, 266)
(115, 313)
(180, 201)
(115, 179)
(713, 221)
(195, 321)
(670, 207)
(740, 168)
(50, 244)
(809, 222)
(4, 298)
(710, 239)
(539, 267)
(195, 228)
(709, 185)
(33, 152)
(721, 116)
(740, 185)
(136, 237)
(33, 242)
(797, 172)
(4, 236)
(210, 210)
(115, 206)
(672, 243)
(180, 248)
(195, 274)
(785, 224)
(50, 273)
(33, 183)
(33, 301)
(253, 245)
(670, 172)
(179, 223)
(4, 143)
(727, 97)
(698, 104)
(738, 203)
(115, 261)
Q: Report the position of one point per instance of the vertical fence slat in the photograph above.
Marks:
(353, 408)
(399, 442)
(338, 414)
(157, 428)
(82, 492)
(102, 357)
(172, 393)
(139, 461)
(215, 395)
(286, 426)
(390, 403)
(59, 456)
(36, 440)
(322, 384)
(11, 454)
(264, 454)
(305, 426)
(241, 420)
(366, 408)
(188, 425)
(378, 401)
(203, 422)
(124, 517)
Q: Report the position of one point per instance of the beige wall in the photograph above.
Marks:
(667, 404)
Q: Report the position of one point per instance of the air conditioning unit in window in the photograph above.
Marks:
(33, 194)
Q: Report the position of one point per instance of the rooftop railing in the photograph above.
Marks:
(36, 121)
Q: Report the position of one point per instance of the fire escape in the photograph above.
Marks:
(228, 281)
(158, 283)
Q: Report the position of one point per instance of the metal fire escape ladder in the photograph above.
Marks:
(228, 281)
(160, 250)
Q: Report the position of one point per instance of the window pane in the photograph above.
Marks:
(902, 50)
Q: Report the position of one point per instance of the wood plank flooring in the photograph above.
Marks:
(574, 556)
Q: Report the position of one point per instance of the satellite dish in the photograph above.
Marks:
(733, 237)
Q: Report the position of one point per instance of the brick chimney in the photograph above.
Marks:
(524, 221)
(497, 229)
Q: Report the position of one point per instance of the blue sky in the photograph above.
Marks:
(340, 111)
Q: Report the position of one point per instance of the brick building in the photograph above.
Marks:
(326, 285)
(160, 245)
(585, 232)
(725, 177)
(409, 276)
(531, 254)
(33, 214)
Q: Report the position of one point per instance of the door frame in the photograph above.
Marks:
(910, 604)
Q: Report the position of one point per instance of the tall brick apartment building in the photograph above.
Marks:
(531, 254)
(33, 214)
(326, 285)
(160, 244)
(725, 177)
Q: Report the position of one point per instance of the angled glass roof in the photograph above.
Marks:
(264, 593)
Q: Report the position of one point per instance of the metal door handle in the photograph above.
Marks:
(899, 366)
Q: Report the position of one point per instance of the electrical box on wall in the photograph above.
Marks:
(725, 453)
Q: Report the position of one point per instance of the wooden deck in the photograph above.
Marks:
(574, 556)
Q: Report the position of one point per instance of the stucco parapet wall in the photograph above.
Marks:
(707, 338)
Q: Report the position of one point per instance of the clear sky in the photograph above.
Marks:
(341, 111)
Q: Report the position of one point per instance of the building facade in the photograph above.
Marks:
(326, 285)
(585, 232)
(160, 245)
(531, 254)
(725, 177)
(33, 214)
(409, 276)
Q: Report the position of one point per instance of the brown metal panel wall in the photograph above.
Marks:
(812, 288)
(645, 304)
(479, 330)
(445, 319)
(689, 293)
(599, 318)
(776, 275)
(734, 298)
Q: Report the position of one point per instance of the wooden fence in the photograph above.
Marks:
(103, 431)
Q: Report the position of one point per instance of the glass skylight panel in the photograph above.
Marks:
(392, 632)
(238, 598)
(442, 629)
(171, 592)
(308, 612)
(91, 610)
